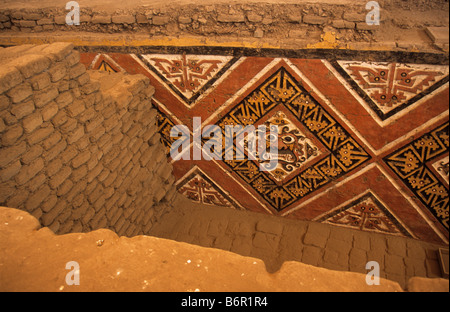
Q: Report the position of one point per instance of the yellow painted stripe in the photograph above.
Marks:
(136, 40)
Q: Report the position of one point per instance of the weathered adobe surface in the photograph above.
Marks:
(323, 24)
(34, 259)
(76, 153)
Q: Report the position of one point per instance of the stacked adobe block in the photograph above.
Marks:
(76, 153)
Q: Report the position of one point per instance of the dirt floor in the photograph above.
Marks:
(35, 259)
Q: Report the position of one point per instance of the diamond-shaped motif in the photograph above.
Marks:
(282, 90)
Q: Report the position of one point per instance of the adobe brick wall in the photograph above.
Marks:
(76, 152)
(242, 20)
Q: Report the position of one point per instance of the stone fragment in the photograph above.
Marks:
(231, 18)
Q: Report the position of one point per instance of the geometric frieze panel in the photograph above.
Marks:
(388, 88)
(410, 164)
(198, 187)
(189, 76)
(337, 119)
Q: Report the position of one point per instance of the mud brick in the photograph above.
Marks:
(123, 19)
(49, 203)
(53, 167)
(358, 260)
(37, 198)
(361, 241)
(160, 20)
(87, 115)
(20, 92)
(45, 96)
(341, 234)
(94, 173)
(64, 99)
(60, 177)
(81, 159)
(110, 179)
(57, 72)
(64, 188)
(101, 19)
(8, 119)
(78, 188)
(394, 264)
(83, 80)
(31, 64)
(76, 108)
(111, 122)
(10, 171)
(314, 20)
(231, 18)
(311, 255)
(354, 17)
(59, 50)
(11, 135)
(294, 18)
(79, 173)
(254, 18)
(48, 27)
(316, 235)
(55, 151)
(31, 16)
(149, 133)
(49, 218)
(415, 250)
(23, 109)
(268, 226)
(69, 125)
(134, 130)
(77, 134)
(77, 71)
(40, 134)
(184, 20)
(93, 124)
(45, 21)
(30, 171)
(40, 81)
(32, 122)
(415, 267)
(32, 153)
(18, 199)
(59, 119)
(155, 139)
(73, 58)
(103, 175)
(90, 88)
(160, 154)
(49, 111)
(343, 24)
(4, 18)
(396, 246)
(4, 102)
(378, 244)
